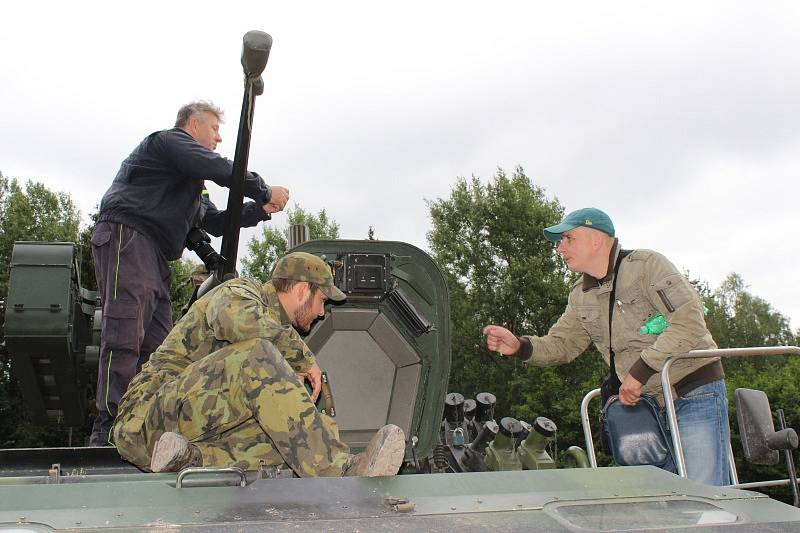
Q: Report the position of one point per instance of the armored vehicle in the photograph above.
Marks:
(386, 353)
(387, 356)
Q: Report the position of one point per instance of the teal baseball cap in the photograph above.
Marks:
(588, 217)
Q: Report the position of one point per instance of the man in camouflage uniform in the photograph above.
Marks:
(225, 388)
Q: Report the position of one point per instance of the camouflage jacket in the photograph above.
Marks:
(238, 310)
(648, 284)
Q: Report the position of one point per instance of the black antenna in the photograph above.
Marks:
(255, 53)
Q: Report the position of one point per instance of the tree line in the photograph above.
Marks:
(487, 238)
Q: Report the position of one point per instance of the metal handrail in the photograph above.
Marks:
(680, 462)
(587, 428)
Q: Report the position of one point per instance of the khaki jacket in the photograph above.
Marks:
(648, 284)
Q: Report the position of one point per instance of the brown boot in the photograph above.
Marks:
(383, 455)
(172, 452)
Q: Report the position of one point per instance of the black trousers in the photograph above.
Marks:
(134, 281)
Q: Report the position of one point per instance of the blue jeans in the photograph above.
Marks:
(705, 433)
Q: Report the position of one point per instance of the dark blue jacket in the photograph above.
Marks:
(157, 190)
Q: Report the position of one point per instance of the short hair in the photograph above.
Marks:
(195, 108)
(285, 285)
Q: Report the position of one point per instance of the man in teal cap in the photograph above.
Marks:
(646, 284)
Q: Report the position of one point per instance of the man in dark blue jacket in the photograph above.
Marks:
(153, 202)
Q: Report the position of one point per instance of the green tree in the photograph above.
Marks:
(488, 240)
(33, 213)
(742, 319)
(3, 194)
(181, 288)
(86, 262)
(264, 252)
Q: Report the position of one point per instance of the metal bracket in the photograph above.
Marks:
(400, 505)
(327, 397)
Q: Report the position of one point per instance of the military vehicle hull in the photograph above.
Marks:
(397, 315)
(602, 499)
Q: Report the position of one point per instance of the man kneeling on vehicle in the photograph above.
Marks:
(225, 387)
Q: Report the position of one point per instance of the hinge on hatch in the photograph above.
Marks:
(54, 474)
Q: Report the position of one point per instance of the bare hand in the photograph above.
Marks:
(501, 340)
(630, 392)
(280, 195)
(314, 376)
(271, 208)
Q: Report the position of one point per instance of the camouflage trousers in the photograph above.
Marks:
(242, 405)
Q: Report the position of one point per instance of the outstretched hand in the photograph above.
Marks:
(501, 340)
(280, 195)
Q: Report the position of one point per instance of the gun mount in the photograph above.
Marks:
(388, 342)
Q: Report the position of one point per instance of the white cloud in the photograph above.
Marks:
(679, 119)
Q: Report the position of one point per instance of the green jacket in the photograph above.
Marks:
(648, 284)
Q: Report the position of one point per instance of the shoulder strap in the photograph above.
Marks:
(611, 301)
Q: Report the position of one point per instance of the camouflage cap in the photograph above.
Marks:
(302, 266)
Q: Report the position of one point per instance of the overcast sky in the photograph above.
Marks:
(680, 119)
